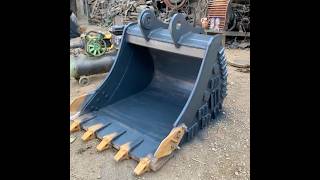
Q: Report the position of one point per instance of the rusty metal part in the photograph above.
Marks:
(218, 9)
(176, 4)
(94, 8)
(241, 13)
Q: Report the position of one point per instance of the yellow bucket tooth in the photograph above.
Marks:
(123, 152)
(105, 143)
(75, 126)
(90, 134)
(77, 120)
(143, 166)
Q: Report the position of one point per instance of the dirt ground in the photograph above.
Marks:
(221, 151)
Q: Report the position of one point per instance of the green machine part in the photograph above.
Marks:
(97, 44)
(96, 47)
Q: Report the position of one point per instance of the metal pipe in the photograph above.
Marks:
(86, 66)
(76, 45)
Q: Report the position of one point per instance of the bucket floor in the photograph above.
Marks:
(152, 112)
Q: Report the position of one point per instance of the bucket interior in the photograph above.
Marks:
(165, 81)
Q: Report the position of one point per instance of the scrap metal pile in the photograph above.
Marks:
(240, 16)
(97, 9)
(110, 12)
(234, 15)
(167, 8)
(124, 11)
(240, 22)
(106, 12)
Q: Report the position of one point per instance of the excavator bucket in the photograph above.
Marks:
(167, 83)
